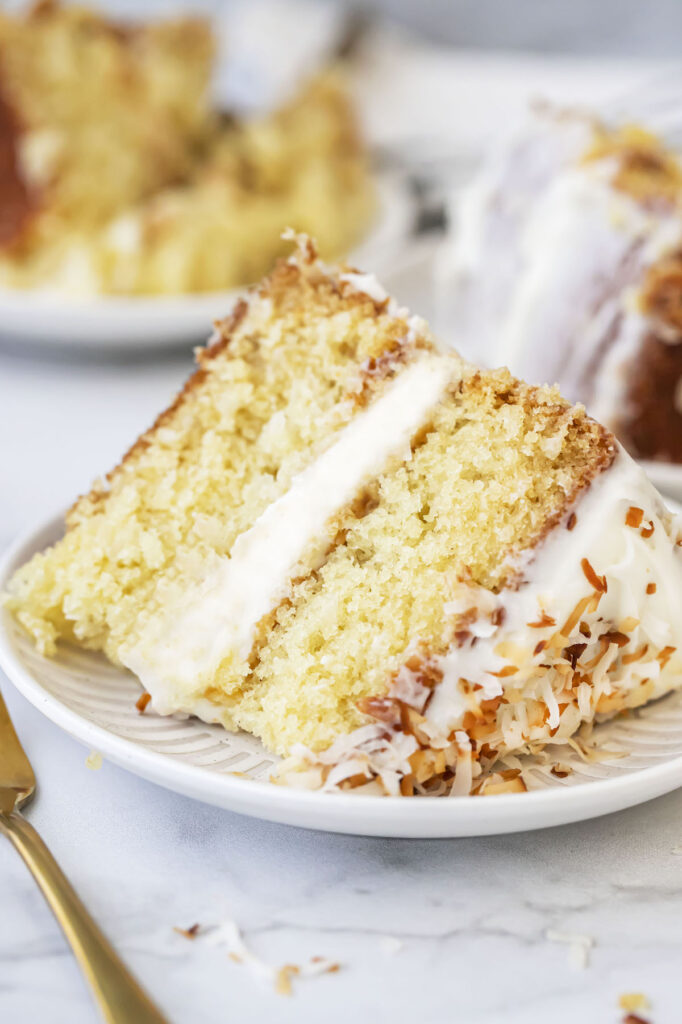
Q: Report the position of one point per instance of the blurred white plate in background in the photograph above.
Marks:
(49, 320)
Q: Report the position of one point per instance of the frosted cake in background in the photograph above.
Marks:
(566, 265)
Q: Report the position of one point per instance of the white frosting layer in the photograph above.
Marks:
(217, 618)
(515, 645)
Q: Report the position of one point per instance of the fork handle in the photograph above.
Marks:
(121, 999)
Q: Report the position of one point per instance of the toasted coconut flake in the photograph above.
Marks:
(603, 649)
(384, 709)
(142, 702)
(592, 754)
(634, 517)
(407, 784)
(491, 788)
(188, 933)
(614, 636)
(542, 622)
(608, 702)
(573, 653)
(637, 655)
(575, 616)
(598, 582)
(628, 625)
(663, 656)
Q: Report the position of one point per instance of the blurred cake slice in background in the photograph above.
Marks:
(302, 165)
(567, 266)
(395, 567)
(120, 176)
(95, 116)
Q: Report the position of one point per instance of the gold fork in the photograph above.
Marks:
(120, 997)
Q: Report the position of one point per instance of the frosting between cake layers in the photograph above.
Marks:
(595, 627)
(216, 619)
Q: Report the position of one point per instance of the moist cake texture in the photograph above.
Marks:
(574, 232)
(386, 563)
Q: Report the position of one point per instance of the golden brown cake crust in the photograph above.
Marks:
(194, 381)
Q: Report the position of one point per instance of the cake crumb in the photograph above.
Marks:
(142, 702)
(633, 1001)
(94, 761)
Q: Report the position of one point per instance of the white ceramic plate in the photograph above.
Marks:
(60, 322)
(95, 702)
